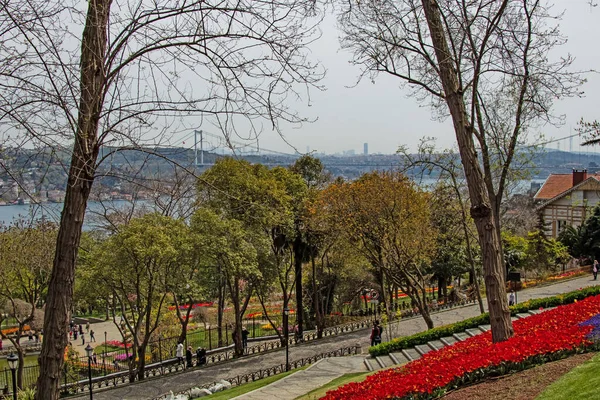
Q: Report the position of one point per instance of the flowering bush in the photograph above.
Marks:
(117, 343)
(14, 329)
(196, 305)
(552, 333)
(123, 357)
(406, 342)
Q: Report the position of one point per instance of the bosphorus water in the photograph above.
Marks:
(52, 211)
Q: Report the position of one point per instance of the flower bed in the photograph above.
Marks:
(447, 330)
(115, 344)
(539, 338)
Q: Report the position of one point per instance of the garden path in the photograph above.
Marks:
(152, 388)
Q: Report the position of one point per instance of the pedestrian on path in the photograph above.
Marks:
(188, 357)
(245, 334)
(92, 338)
(179, 353)
(82, 339)
(595, 269)
(375, 334)
(87, 326)
(511, 299)
(200, 356)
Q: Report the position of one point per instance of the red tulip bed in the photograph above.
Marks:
(548, 336)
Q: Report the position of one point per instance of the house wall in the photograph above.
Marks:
(569, 210)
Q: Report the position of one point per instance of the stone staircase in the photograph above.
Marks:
(407, 355)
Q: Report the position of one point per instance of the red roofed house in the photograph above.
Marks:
(567, 199)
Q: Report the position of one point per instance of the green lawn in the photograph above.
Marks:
(29, 360)
(334, 384)
(580, 383)
(248, 387)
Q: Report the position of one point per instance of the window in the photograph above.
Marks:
(561, 225)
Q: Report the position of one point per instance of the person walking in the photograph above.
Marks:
(375, 334)
(82, 339)
(87, 326)
(179, 353)
(188, 357)
(92, 338)
(595, 269)
(200, 356)
(245, 334)
(511, 299)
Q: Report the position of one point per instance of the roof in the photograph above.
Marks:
(554, 185)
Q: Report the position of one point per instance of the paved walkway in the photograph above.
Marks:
(100, 329)
(302, 382)
(151, 388)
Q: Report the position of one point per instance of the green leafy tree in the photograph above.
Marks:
(451, 258)
(25, 265)
(543, 255)
(515, 251)
(388, 218)
(233, 253)
(574, 238)
(139, 265)
(313, 173)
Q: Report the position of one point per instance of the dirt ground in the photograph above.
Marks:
(525, 385)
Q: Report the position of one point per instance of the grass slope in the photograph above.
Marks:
(580, 383)
(334, 384)
(248, 387)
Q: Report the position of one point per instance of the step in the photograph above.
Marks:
(472, 332)
(436, 344)
(369, 364)
(485, 328)
(411, 353)
(514, 318)
(422, 349)
(460, 336)
(522, 315)
(385, 361)
(399, 358)
(448, 340)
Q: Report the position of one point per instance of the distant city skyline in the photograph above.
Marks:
(346, 115)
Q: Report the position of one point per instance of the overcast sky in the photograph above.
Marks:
(382, 115)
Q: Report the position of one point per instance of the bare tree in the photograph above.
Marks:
(487, 65)
(138, 67)
(448, 166)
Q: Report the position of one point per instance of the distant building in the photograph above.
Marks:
(366, 149)
(567, 199)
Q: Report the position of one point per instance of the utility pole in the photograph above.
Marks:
(196, 149)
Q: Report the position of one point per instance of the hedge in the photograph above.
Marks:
(408, 342)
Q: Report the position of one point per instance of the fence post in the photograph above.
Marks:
(209, 338)
(226, 334)
(253, 329)
(104, 361)
(160, 355)
(66, 382)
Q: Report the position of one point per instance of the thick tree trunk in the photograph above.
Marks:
(21, 365)
(81, 176)
(481, 205)
(141, 364)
